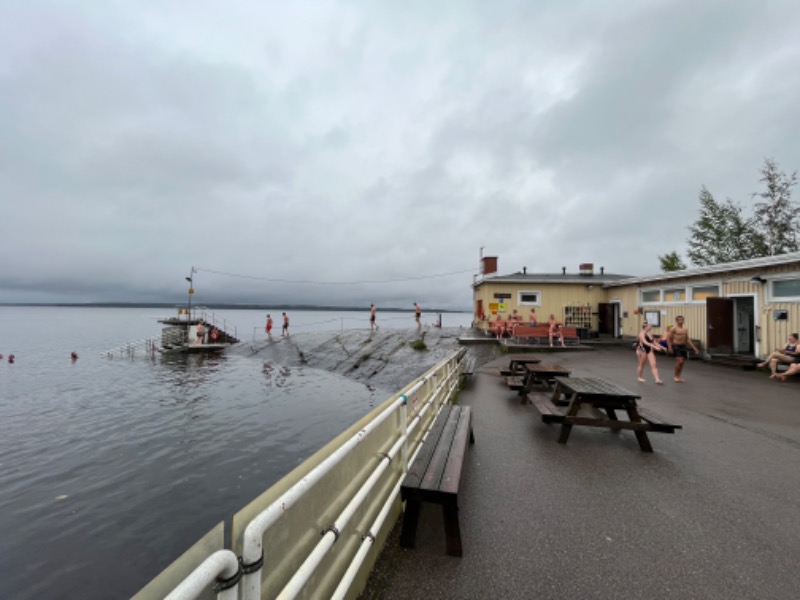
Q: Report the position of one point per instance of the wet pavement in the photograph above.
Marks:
(713, 513)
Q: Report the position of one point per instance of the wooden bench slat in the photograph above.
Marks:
(451, 478)
(432, 478)
(417, 469)
(549, 411)
(436, 476)
(657, 421)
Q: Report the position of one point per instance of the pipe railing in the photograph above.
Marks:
(428, 394)
(300, 578)
(221, 571)
(252, 550)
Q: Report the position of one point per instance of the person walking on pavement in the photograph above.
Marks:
(677, 340)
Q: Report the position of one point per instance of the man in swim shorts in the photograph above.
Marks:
(372, 324)
(285, 330)
(677, 341)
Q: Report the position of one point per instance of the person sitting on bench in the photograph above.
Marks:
(793, 369)
(555, 330)
(787, 355)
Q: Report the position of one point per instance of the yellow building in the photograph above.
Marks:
(747, 307)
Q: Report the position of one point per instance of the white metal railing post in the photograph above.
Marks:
(221, 569)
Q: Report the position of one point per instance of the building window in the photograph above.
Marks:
(651, 296)
(529, 299)
(702, 292)
(675, 295)
(786, 289)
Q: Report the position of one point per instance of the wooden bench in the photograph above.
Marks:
(435, 475)
(540, 335)
(658, 422)
(468, 371)
(544, 404)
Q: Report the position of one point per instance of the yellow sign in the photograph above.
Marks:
(191, 290)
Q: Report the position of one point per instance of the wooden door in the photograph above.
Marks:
(719, 324)
(605, 319)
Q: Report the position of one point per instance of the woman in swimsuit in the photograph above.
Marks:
(646, 349)
(787, 356)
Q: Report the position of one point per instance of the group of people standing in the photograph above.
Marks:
(675, 342)
(373, 324)
(284, 329)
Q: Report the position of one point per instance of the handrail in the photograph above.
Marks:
(379, 496)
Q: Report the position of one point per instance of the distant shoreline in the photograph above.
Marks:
(220, 306)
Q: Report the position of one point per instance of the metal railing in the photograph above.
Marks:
(147, 347)
(323, 523)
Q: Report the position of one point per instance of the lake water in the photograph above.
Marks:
(111, 468)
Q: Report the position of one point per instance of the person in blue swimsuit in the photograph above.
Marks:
(786, 355)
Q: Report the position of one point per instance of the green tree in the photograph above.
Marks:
(777, 218)
(721, 234)
(671, 261)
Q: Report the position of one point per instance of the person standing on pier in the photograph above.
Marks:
(268, 328)
(418, 315)
(285, 330)
(372, 324)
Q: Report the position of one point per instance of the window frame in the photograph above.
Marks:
(642, 293)
(520, 302)
(692, 288)
(795, 276)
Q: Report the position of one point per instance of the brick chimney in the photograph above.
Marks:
(586, 269)
(488, 265)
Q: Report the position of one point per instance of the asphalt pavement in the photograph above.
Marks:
(713, 513)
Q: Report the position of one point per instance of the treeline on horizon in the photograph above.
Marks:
(222, 306)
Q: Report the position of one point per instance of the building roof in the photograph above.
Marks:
(528, 278)
(752, 263)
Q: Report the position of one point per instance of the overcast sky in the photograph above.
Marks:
(361, 146)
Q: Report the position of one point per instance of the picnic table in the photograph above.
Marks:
(600, 401)
(516, 365)
(542, 374)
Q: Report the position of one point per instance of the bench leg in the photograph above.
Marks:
(451, 529)
(641, 436)
(408, 535)
(612, 415)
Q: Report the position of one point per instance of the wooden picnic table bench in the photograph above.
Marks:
(601, 400)
(540, 335)
(542, 374)
(516, 366)
(435, 475)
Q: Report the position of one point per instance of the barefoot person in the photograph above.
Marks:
(268, 328)
(417, 315)
(555, 330)
(793, 369)
(285, 329)
(786, 355)
(646, 350)
(372, 324)
(677, 341)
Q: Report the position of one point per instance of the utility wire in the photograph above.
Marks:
(311, 282)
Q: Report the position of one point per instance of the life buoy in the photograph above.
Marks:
(214, 335)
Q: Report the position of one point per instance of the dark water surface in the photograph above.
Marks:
(110, 469)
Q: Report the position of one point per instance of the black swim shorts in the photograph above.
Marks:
(679, 350)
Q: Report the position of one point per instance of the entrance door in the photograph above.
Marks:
(606, 320)
(745, 325)
(719, 320)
